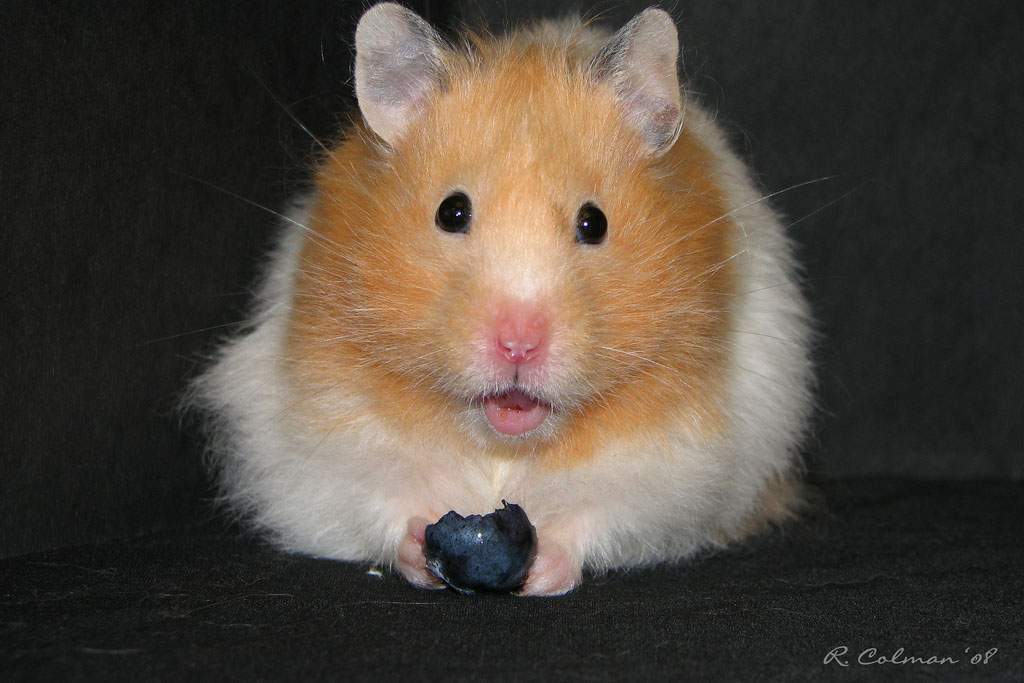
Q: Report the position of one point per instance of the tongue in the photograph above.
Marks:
(515, 413)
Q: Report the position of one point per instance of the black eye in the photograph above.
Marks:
(591, 225)
(454, 213)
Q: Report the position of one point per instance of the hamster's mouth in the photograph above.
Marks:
(515, 412)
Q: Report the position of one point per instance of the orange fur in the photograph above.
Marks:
(388, 305)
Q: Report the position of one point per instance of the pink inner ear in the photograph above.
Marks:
(663, 124)
(666, 116)
(656, 117)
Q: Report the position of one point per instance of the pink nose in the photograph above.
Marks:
(521, 332)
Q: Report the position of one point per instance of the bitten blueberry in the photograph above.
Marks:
(482, 553)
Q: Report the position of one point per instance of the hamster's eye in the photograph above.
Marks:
(454, 213)
(591, 225)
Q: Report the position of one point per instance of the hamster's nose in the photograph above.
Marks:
(521, 333)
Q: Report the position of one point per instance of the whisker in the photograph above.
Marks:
(825, 206)
(637, 356)
(310, 231)
(742, 207)
(292, 116)
(760, 199)
(190, 332)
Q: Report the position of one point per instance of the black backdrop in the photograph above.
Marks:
(120, 268)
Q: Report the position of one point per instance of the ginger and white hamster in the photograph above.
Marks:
(534, 271)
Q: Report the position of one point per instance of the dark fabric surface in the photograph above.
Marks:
(932, 568)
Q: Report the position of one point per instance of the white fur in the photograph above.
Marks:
(347, 494)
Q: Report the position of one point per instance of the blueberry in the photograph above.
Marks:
(490, 553)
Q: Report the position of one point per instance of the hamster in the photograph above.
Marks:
(532, 270)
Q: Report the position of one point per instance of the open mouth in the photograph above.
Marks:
(515, 412)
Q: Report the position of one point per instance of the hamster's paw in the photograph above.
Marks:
(554, 571)
(411, 562)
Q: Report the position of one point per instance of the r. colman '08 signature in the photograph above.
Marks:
(869, 656)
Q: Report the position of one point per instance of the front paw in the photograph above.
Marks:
(412, 564)
(555, 570)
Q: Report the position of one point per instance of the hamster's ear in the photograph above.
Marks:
(639, 63)
(398, 64)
